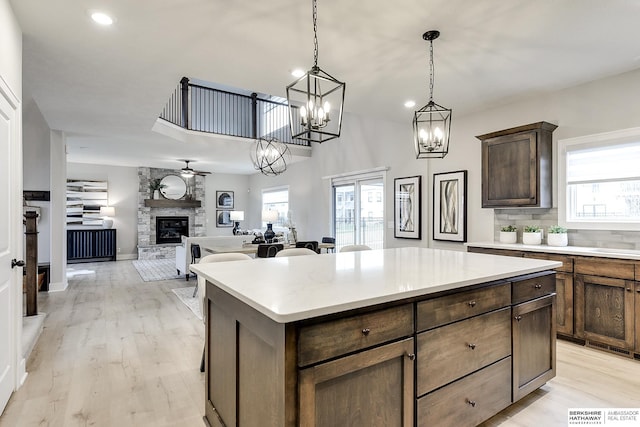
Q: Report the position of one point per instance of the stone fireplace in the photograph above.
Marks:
(148, 213)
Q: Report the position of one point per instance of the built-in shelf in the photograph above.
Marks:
(166, 203)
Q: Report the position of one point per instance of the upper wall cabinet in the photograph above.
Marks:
(516, 167)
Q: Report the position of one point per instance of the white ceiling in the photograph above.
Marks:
(105, 87)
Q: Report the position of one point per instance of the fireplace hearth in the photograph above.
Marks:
(170, 228)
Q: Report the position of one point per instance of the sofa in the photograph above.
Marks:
(183, 251)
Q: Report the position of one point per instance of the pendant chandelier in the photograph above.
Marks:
(315, 100)
(270, 156)
(431, 123)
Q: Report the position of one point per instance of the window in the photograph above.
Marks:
(358, 209)
(276, 199)
(599, 181)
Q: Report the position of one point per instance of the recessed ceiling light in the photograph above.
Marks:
(298, 72)
(410, 104)
(101, 18)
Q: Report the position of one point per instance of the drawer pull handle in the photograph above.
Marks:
(411, 356)
(630, 290)
(366, 331)
(537, 286)
(471, 346)
(472, 303)
(518, 318)
(472, 403)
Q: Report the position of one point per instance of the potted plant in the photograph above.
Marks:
(557, 236)
(508, 234)
(155, 186)
(532, 235)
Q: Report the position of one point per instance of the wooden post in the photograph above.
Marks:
(32, 262)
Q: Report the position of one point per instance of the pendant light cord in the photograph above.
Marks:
(432, 71)
(315, 34)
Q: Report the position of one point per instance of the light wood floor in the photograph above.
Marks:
(117, 351)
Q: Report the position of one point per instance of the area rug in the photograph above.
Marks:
(156, 269)
(186, 296)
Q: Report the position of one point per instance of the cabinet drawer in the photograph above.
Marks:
(469, 401)
(440, 311)
(535, 287)
(567, 261)
(491, 251)
(450, 352)
(602, 267)
(334, 338)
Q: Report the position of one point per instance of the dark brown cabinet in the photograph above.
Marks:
(430, 360)
(605, 310)
(637, 299)
(597, 301)
(370, 388)
(516, 166)
(534, 343)
(564, 290)
(564, 284)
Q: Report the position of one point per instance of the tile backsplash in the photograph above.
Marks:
(548, 217)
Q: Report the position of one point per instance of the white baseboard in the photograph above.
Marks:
(58, 286)
(126, 257)
(21, 374)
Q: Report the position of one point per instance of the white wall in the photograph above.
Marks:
(364, 144)
(36, 158)
(226, 182)
(603, 105)
(58, 211)
(11, 48)
(123, 195)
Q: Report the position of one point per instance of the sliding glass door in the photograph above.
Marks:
(358, 211)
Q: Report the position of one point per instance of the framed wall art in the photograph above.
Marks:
(407, 207)
(450, 206)
(223, 219)
(224, 199)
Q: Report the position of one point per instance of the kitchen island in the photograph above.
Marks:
(406, 336)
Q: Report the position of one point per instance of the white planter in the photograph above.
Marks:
(156, 194)
(532, 238)
(508, 236)
(557, 239)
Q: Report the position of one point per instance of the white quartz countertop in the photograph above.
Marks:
(289, 289)
(565, 250)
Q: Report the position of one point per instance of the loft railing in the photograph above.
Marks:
(205, 109)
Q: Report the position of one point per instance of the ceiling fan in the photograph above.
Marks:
(187, 172)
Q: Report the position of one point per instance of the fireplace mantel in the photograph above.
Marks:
(167, 203)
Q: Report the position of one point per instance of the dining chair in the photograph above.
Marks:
(311, 244)
(295, 252)
(269, 250)
(355, 248)
(331, 240)
(196, 254)
(200, 289)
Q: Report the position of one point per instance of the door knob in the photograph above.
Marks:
(15, 263)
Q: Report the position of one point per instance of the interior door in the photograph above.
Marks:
(8, 339)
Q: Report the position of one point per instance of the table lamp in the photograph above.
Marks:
(107, 212)
(269, 216)
(236, 217)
